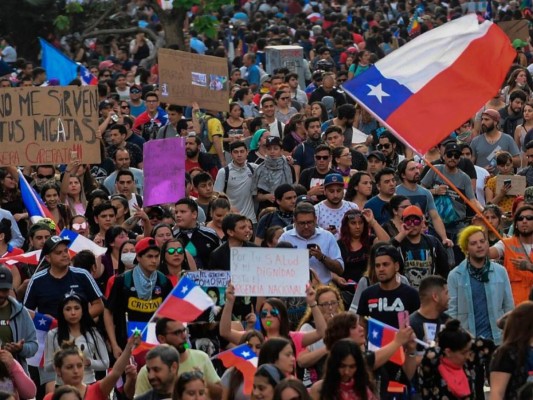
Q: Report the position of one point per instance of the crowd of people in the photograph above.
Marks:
(435, 248)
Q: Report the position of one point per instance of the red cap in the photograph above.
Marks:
(143, 245)
(412, 211)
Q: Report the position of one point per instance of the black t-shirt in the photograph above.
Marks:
(427, 329)
(384, 305)
(200, 242)
(310, 177)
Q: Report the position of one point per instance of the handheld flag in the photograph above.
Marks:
(244, 359)
(414, 27)
(62, 68)
(43, 324)
(79, 243)
(380, 335)
(186, 302)
(31, 258)
(148, 337)
(430, 86)
(37, 210)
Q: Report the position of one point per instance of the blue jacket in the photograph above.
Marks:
(22, 328)
(497, 290)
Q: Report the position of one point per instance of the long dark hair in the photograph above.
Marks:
(163, 266)
(362, 378)
(236, 377)
(351, 192)
(8, 195)
(270, 350)
(89, 210)
(345, 229)
(283, 316)
(87, 325)
(110, 236)
(121, 267)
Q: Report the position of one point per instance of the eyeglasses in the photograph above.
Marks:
(77, 227)
(383, 146)
(525, 217)
(414, 221)
(179, 332)
(330, 304)
(322, 158)
(41, 176)
(284, 98)
(172, 250)
(305, 223)
(273, 313)
(453, 154)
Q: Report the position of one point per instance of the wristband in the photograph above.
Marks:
(313, 305)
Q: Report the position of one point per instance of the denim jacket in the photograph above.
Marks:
(497, 290)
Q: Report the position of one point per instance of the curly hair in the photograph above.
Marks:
(339, 328)
(320, 290)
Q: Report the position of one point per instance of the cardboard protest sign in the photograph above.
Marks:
(49, 125)
(187, 77)
(257, 271)
(214, 283)
(164, 171)
(518, 184)
(515, 29)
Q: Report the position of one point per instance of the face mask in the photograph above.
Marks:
(127, 258)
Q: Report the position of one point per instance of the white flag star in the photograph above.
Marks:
(374, 334)
(42, 321)
(246, 354)
(378, 92)
(184, 289)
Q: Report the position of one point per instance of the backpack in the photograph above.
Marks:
(226, 175)
(204, 134)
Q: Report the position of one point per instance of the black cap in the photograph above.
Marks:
(452, 147)
(302, 198)
(51, 243)
(273, 141)
(378, 154)
(6, 278)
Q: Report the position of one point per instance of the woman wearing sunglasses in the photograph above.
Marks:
(175, 260)
(79, 224)
(275, 321)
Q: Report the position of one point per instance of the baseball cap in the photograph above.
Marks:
(156, 211)
(452, 147)
(104, 104)
(143, 245)
(333, 179)
(52, 242)
(6, 278)
(273, 141)
(494, 114)
(412, 211)
(105, 64)
(304, 198)
(378, 154)
(448, 140)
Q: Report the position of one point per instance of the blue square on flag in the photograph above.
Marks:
(42, 322)
(138, 327)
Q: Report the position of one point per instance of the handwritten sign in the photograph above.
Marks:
(187, 77)
(164, 171)
(259, 271)
(48, 125)
(214, 283)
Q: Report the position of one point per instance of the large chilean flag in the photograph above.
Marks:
(430, 86)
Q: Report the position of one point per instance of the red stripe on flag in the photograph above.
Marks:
(178, 309)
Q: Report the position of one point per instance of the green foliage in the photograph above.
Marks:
(62, 23)
(74, 8)
(207, 25)
(204, 23)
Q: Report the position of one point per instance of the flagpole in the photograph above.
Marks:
(384, 325)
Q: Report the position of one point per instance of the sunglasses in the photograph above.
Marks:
(412, 222)
(172, 250)
(41, 176)
(77, 227)
(284, 98)
(525, 217)
(383, 146)
(322, 158)
(124, 106)
(179, 332)
(273, 313)
(455, 155)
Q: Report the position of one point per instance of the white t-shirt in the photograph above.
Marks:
(481, 175)
(333, 216)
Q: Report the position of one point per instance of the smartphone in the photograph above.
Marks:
(311, 246)
(403, 319)
(507, 182)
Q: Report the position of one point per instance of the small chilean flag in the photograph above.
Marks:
(80, 242)
(37, 210)
(244, 359)
(148, 337)
(31, 258)
(185, 303)
(380, 335)
(430, 86)
(43, 324)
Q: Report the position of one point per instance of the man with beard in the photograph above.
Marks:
(175, 334)
(198, 159)
(387, 145)
(485, 147)
(453, 208)
(480, 292)
(511, 116)
(517, 254)
(304, 153)
(329, 212)
(422, 254)
(312, 178)
(409, 175)
(162, 363)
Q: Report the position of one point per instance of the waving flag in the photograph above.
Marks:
(380, 335)
(430, 86)
(185, 303)
(62, 68)
(43, 324)
(80, 242)
(414, 27)
(148, 336)
(244, 359)
(31, 258)
(37, 210)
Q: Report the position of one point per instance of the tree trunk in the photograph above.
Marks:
(173, 23)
